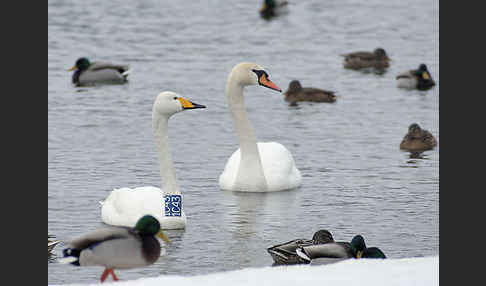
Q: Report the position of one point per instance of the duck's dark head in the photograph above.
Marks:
(380, 53)
(358, 245)
(373, 252)
(149, 226)
(294, 86)
(81, 64)
(423, 73)
(322, 236)
(414, 130)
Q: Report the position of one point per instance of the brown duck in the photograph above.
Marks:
(296, 93)
(377, 59)
(418, 139)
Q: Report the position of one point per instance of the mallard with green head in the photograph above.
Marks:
(416, 79)
(418, 139)
(273, 8)
(355, 249)
(117, 247)
(284, 253)
(91, 73)
(377, 59)
(296, 93)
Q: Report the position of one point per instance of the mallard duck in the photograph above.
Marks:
(51, 243)
(416, 79)
(117, 247)
(87, 73)
(284, 253)
(418, 139)
(355, 249)
(296, 93)
(272, 8)
(377, 59)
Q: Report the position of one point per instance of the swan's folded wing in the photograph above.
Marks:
(100, 235)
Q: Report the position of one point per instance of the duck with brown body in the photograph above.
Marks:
(418, 139)
(377, 59)
(117, 247)
(416, 79)
(284, 253)
(296, 93)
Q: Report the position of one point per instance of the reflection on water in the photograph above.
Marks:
(355, 178)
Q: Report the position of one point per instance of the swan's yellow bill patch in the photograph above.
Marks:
(186, 103)
(268, 83)
(425, 75)
(164, 238)
(73, 68)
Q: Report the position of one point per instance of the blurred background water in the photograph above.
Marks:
(355, 178)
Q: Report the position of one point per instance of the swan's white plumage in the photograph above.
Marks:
(278, 167)
(124, 206)
(255, 166)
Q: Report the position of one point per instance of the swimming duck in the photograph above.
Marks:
(87, 73)
(51, 243)
(355, 249)
(272, 8)
(377, 59)
(284, 253)
(296, 93)
(419, 79)
(418, 139)
(117, 247)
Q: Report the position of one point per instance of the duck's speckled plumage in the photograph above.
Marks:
(418, 139)
(284, 253)
(296, 93)
(377, 59)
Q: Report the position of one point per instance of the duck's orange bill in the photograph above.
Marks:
(73, 68)
(425, 75)
(268, 83)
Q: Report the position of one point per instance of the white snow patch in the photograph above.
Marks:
(375, 272)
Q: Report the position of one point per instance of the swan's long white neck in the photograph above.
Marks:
(250, 169)
(160, 126)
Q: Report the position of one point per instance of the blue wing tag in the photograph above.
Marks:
(173, 205)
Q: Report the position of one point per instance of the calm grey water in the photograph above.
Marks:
(355, 178)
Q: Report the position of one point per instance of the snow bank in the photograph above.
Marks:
(407, 271)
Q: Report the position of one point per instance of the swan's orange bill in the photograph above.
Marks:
(73, 68)
(162, 235)
(186, 104)
(268, 83)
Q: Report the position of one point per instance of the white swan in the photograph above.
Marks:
(254, 167)
(123, 207)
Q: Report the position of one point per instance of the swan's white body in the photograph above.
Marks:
(123, 207)
(254, 167)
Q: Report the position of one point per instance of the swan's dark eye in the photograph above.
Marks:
(175, 97)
